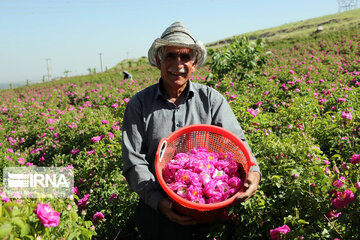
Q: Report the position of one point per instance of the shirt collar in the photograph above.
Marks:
(189, 90)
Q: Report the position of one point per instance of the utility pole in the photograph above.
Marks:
(345, 5)
(48, 68)
(101, 68)
(127, 55)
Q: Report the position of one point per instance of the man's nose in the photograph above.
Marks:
(178, 61)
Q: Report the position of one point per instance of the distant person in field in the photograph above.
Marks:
(127, 75)
(157, 111)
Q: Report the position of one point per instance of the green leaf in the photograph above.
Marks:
(5, 230)
(73, 235)
(15, 212)
(301, 221)
(325, 233)
(88, 233)
(18, 221)
(26, 229)
(30, 237)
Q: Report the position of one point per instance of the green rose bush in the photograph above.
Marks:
(301, 119)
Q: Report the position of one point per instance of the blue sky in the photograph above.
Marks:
(72, 33)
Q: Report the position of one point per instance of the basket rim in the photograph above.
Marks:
(201, 127)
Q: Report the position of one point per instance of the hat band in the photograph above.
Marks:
(162, 37)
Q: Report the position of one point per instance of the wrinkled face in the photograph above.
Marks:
(176, 65)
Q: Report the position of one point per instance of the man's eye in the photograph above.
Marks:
(185, 57)
(171, 56)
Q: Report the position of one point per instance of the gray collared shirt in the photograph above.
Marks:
(150, 116)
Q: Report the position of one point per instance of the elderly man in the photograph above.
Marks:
(157, 111)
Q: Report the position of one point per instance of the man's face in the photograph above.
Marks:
(176, 66)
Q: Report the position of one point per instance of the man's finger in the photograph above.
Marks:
(166, 207)
(180, 219)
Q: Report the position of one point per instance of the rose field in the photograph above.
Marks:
(297, 101)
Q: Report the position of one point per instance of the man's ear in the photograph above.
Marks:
(195, 62)
(193, 67)
(158, 62)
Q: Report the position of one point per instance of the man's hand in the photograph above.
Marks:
(166, 207)
(251, 183)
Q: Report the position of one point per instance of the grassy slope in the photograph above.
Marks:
(303, 28)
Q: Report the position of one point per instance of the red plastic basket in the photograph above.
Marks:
(215, 139)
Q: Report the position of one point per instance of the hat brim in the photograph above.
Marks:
(198, 47)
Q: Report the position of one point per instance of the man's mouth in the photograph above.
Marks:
(177, 72)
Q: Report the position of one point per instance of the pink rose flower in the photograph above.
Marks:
(74, 151)
(47, 215)
(355, 158)
(75, 190)
(357, 185)
(113, 196)
(97, 138)
(98, 216)
(346, 115)
(83, 201)
(233, 96)
(110, 135)
(341, 100)
(343, 199)
(253, 111)
(322, 100)
(278, 232)
(115, 105)
(21, 161)
(339, 182)
(331, 214)
(4, 198)
(72, 125)
(90, 152)
(194, 194)
(10, 150)
(50, 121)
(116, 127)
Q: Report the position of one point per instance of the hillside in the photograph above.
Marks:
(301, 29)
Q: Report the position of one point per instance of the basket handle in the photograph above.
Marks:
(162, 149)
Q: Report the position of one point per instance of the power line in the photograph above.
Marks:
(48, 69)
(101, 67)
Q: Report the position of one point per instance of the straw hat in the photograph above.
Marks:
(177, 35)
